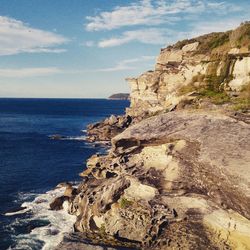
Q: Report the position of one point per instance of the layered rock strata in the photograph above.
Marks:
(177, 174)
(108, 128)
(219, 62)
(174, 181)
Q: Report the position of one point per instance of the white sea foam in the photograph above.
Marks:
(22, 211)
(64, 138)
(60, 222)
(76, 138)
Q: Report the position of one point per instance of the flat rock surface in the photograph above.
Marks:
(224, 142)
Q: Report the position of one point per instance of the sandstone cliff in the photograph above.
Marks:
(177, 174)
(214, 66)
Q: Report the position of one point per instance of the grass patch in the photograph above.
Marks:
(214, 83)
(102, 229)
(215, 97)
(242, 102)
(212, 90)
(124, 203)
(218, 41)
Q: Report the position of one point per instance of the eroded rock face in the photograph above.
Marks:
(108, 128)
(212, 61)
(241, 73)
(177, 180)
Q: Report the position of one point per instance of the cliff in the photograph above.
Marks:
(213, 67)
(177, 174)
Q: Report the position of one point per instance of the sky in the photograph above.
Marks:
(86, 48)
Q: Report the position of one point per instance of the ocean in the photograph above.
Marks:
(32, 164)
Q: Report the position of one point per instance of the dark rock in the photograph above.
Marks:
(14, 210)
(119, 96)
(57, 204)
(57, 137)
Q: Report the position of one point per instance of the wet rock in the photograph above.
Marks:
(57, 204)
(57, 137)
(14, 210)
(112, 120)
(70, 191)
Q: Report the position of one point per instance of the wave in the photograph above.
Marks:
(46, 236)
(21, 210)
(63, 138)
(76, 138)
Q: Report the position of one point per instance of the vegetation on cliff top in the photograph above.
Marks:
(220, 42)
(213, 85)
(242, 102)
(219, 96)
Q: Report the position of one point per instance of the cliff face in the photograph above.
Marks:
(218, 62)
(178, 180)
(177, 175)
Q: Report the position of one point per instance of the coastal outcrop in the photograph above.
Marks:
(179, 179)
(119, 96)
(105, 130)
(214, 66)
(177, 173)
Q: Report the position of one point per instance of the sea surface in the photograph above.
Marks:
(32, 164)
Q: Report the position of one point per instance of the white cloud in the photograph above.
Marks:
(150, 13)
(29, 72)
(128, 64)
(17, 37)
(148, 36)
(167, 36)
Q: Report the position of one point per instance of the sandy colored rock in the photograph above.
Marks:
(177, 173)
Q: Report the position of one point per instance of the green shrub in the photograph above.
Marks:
(215, 97)
(241, 105)
(124, 203)
(218, 40)
(214, 82)
(243, 101)
(102, 229)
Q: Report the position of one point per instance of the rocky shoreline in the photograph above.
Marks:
(177, 173)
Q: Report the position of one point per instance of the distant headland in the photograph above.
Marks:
(119, 96)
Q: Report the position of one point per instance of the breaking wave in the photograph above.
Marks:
(46, 227)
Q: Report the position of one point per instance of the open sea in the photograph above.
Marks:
(32, 164)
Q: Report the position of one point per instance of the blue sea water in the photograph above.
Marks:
(31, 163)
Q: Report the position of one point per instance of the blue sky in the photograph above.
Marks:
(86, 48)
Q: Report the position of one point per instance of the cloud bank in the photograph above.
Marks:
(151, 13)
(148, 36)
(17, 37)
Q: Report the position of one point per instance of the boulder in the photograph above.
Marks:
(57, 204)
